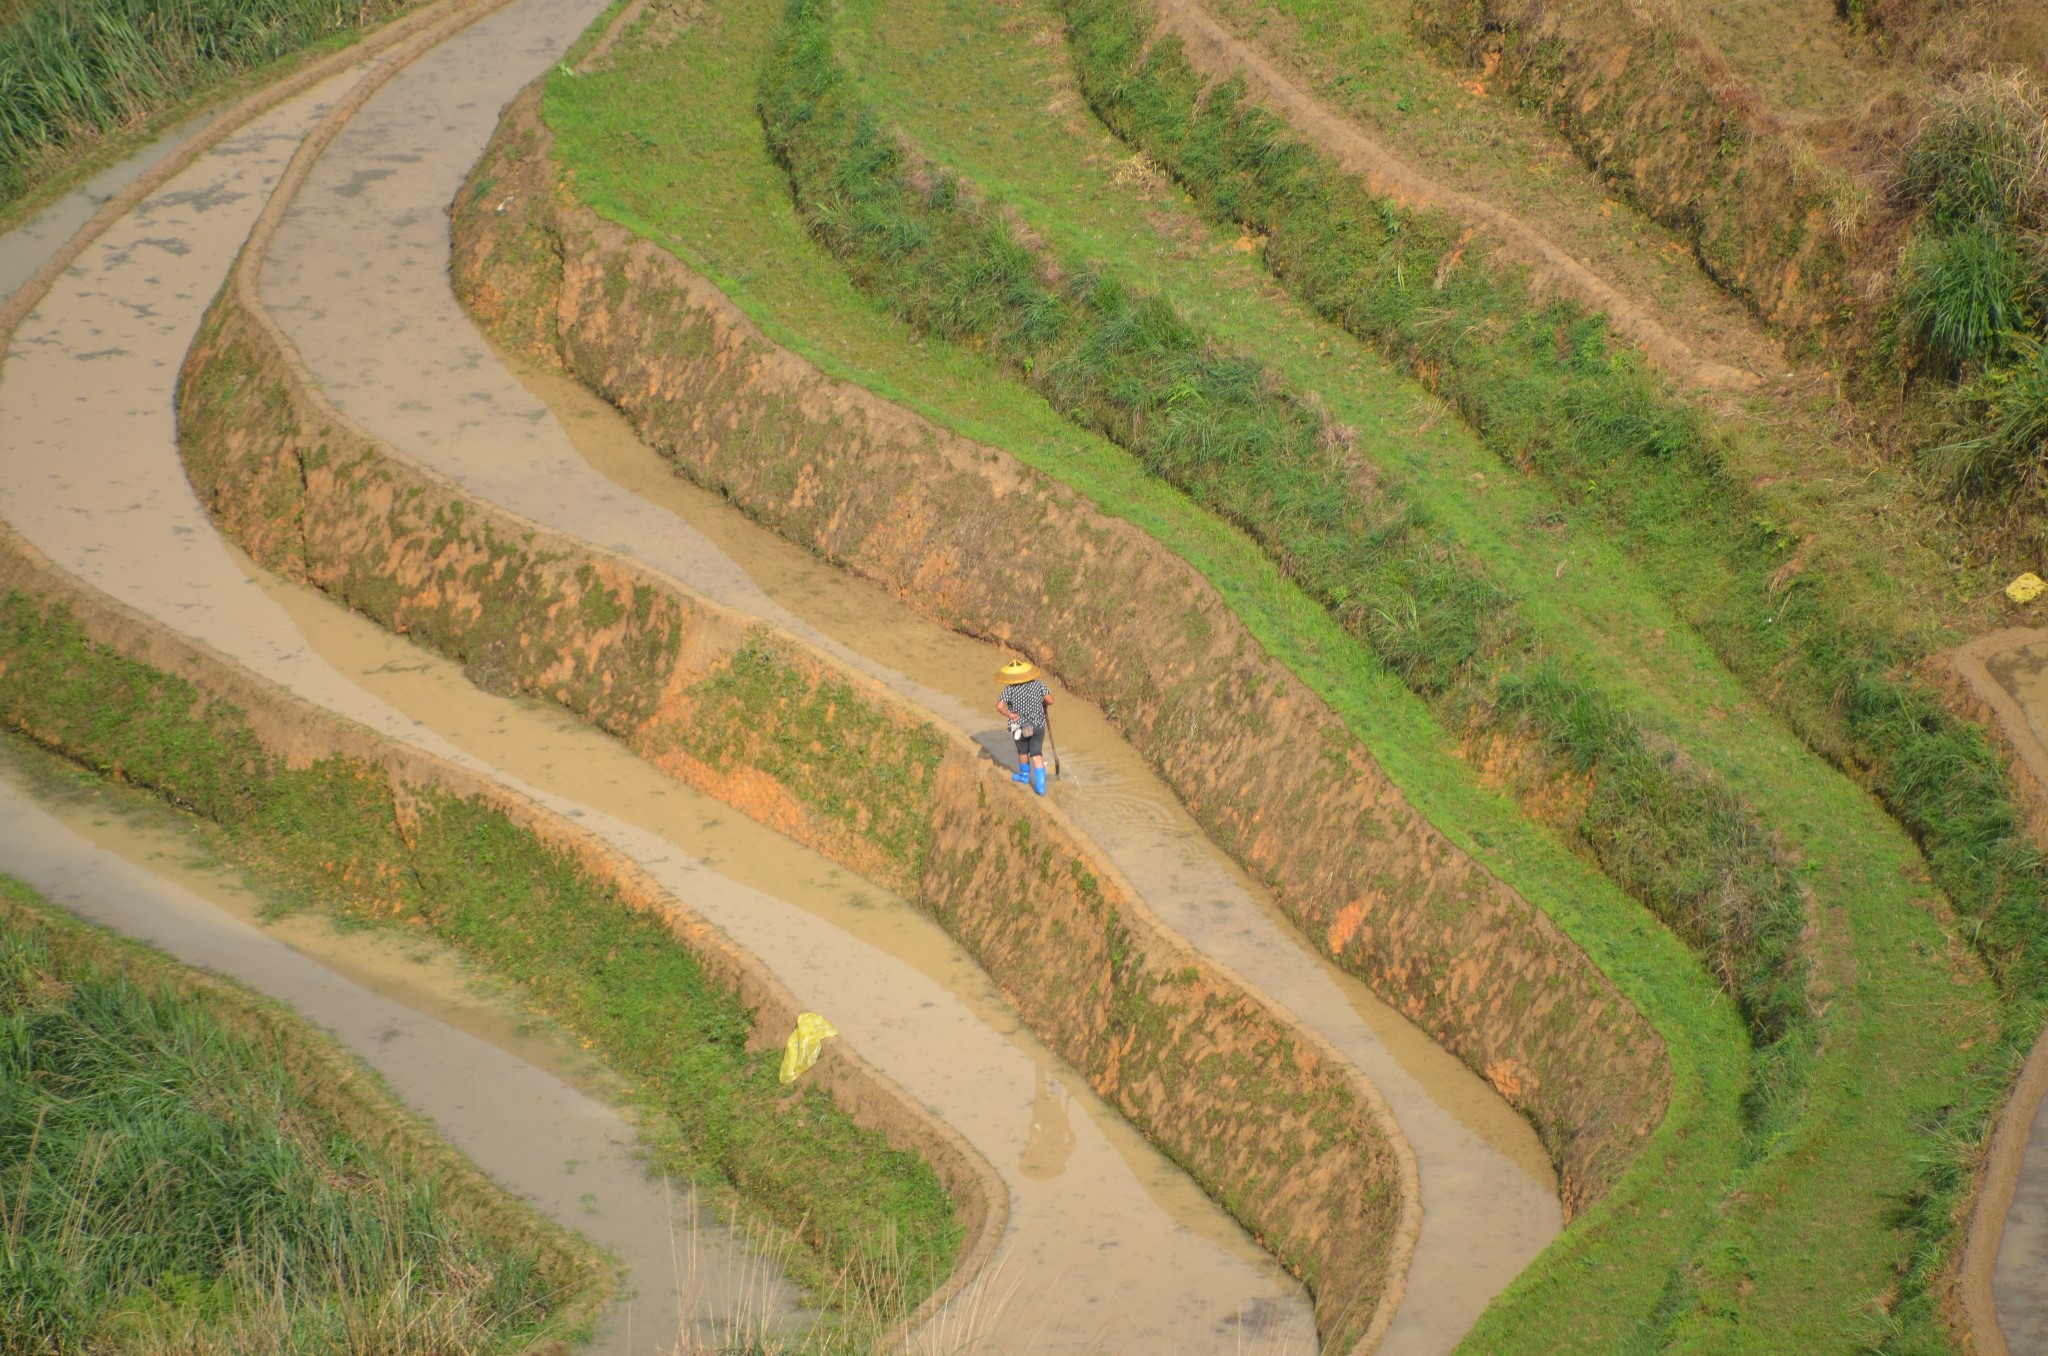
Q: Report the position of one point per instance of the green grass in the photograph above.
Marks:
(1973, 290)
(81, 77)
(665, 141)
(1228, 431)
(658, 145)
(72, 72)
(876, 1229)
(762, 711)
(2001, 449)
(1656, 475)
(173, 1180)
(1963, 295)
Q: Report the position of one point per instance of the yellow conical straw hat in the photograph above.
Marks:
(1018, 671)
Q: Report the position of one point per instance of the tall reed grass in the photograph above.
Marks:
(166, 1184)
(72, 71)
(1234, 437)
(1973, 290)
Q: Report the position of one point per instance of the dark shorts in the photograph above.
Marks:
(1030, 744)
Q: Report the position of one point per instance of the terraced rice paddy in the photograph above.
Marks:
(1463, 921)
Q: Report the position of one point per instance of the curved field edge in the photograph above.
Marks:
(1283, 1132)
(887, 1198)
(68, 978)
(1645, 1226)
(1327, 501)
(1128, 623)
(1844, 678)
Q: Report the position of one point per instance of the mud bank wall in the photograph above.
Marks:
(1273, 1124)
(1657, 109)
(223, 736)
(953, 527)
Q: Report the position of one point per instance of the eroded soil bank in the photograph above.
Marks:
(96, 481)
(393, 352)
(1277, 1126)
(951, 527)
(144, 557)
(1085, 1189)
(1488, 1190)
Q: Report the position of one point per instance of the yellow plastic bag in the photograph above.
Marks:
(804, 1045)
(2026, 588)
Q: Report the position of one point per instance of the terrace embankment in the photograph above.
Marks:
(1220, 55)
(115, 690)
(1650, 101)
(954, 528)
(1276, 1126)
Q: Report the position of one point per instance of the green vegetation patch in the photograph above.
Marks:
(72, 72)
(1973, 291)
(1546, 390)
(666, 141)
(176, 1176)
(850, 760)
(878, 1229)
(660, 143)
(1228, 431)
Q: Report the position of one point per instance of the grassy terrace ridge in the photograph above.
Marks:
(262, 1193)
(874, 1231)
(1810, 465)
(662, 121)
(84, 82)
(1651, 472)
(898, 229)
(665, 141)
(1324, 504)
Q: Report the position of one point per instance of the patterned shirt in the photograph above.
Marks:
(1027, 700)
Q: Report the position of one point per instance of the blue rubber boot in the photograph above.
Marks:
(1022, 774)
(1038, 779)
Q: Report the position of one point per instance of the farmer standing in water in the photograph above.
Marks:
(1023, 704)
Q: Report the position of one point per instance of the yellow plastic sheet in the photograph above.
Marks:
(2026, 588)
(804, 1045)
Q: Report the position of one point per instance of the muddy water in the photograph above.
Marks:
(2017, 1288)
(1091, 1258)
(1107, 786)
(387, 341)
(408, 968)
(28, 246)
(1488, 1188)
(565, 1152)
(1109, 1242)
(89, 474)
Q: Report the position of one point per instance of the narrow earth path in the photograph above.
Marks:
(1092, 1256)
(564, 1152)
(381, 331)
(1218, 53)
